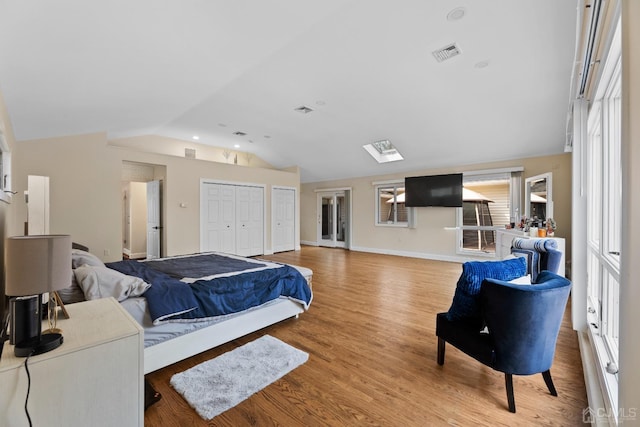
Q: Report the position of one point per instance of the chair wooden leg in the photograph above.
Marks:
(441, 344)
(547, 379)
(508, 382)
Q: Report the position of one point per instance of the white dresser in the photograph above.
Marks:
(95, 378)
(504, 237)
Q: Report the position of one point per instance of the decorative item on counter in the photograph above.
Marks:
(551, 227)
(524, 225)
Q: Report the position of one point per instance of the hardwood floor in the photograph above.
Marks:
(370, 335)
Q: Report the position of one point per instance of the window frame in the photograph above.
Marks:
(514, 177)
(396, 184)
(6, 192)
(602, 166)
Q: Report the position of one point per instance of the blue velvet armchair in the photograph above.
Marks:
(522, 321)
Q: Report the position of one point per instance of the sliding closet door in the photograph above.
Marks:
(232, 219)
(249, 220)
(218, 218)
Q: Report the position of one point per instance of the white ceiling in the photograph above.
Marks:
(214, 67)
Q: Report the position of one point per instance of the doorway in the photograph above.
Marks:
(334, 218)
(143, 210)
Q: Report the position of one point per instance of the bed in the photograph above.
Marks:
(191, 303)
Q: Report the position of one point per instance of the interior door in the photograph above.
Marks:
(249, 220)
(332, 219)
(154, 219)
(218, 218)
(284, 200)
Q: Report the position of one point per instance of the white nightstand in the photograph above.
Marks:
(95, 378)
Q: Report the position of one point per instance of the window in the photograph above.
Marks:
(491, 200)
(390, 208)
(604, 200)
(603, 171)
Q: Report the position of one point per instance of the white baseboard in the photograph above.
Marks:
(592, 384)
(409, 254)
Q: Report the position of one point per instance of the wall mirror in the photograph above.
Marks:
(538, 196)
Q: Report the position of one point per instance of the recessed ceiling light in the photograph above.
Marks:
(482, 64)
(195, 137)
(236, 145)
(239, 133)
(456, 14)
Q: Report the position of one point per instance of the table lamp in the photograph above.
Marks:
(35, 265)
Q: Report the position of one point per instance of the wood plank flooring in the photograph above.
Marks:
(370, 334)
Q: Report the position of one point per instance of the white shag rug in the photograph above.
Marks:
(221, 383)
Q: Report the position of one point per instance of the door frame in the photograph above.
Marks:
(334, 243)
(159, 173)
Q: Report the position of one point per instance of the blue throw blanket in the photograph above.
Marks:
(215, 291)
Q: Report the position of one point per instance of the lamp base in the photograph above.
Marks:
(38, 345)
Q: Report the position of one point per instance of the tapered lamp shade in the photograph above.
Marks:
(37, 264)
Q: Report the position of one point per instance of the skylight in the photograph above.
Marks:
(383, 151)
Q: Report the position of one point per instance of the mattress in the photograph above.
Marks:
(155, 334)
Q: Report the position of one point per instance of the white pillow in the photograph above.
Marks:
(524, 280)
(80, 258)
(103, 282)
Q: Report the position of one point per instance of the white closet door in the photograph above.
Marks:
(283, 219)
(249, 220)
(218, 218)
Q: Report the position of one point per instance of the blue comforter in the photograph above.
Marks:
(175, 296)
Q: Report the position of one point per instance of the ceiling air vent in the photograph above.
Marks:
(446, 52)
(190, 153)
(303, 109)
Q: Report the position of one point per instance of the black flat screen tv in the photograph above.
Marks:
(434, 190)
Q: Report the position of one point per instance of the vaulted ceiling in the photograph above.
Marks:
(364, 67)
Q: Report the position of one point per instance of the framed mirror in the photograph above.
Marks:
(538, 196)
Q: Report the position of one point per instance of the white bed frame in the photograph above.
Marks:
(182, 347)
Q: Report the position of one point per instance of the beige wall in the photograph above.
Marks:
(86, 202)
(431, 237)
(176, 147)
(629, 376)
